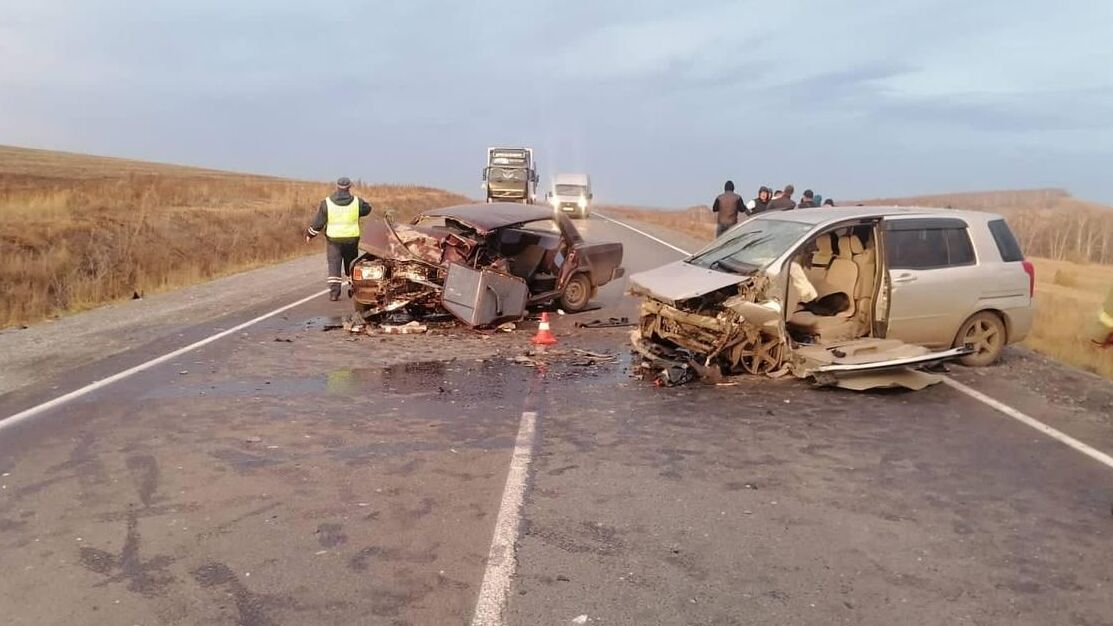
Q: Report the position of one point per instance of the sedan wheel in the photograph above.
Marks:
(577, 293)
(986, 334)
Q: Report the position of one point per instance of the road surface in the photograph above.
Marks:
(287, 475)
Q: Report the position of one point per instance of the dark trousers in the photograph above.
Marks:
(722, 228)
(341, 253)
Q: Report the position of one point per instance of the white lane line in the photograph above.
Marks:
(1057, 435)
(997, 405)
(645, 234)
(502, 559)
(25, 414)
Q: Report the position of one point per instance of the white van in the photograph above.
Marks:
(571, 194)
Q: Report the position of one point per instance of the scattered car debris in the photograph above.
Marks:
(541, 357)
(483, 263)
(613, 322)
(410, 328)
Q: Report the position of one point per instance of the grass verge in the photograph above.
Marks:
(78, 231)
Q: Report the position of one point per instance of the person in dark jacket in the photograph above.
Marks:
(829, 202)
(761, 202)
(808, 201)
(338, 216)
(784, 202)
(727, 205)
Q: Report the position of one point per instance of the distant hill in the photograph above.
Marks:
(1049, 223)
(1009, 201)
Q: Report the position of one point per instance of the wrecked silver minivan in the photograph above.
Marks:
(858, 297)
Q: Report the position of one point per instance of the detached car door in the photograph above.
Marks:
(932, 277)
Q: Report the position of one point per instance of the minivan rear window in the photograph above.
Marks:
(1006, 241)
(928, 248)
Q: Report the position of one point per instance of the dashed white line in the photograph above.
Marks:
(997, 405)
(502, 559)
(25, 414)
(1057, 435)
(644, 234)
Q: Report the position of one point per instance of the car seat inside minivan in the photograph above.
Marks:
(842, 260)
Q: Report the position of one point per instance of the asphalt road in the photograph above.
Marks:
(286, 475)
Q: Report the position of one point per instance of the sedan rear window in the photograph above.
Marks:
(1006, 242)
(928, 248)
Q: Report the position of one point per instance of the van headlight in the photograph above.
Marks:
(371, 271)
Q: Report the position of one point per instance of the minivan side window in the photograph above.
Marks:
(913, 246)
(1006, 241)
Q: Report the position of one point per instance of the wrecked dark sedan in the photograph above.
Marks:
(483, 263)
(857, 297)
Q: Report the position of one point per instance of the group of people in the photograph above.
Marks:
(729, 205)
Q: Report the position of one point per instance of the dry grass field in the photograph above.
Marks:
(1068, 292)
(78, 231)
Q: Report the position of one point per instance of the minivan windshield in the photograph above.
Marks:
(751, 246)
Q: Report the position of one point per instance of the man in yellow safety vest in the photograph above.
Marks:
(1102, 334)
(338, 215)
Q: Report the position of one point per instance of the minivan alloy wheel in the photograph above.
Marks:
(985, 333)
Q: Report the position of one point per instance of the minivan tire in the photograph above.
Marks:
(986, 332)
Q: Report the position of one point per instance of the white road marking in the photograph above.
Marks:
(25, 414)
(997, 405)
(1057, 435)
(502, 559)
(645, 234)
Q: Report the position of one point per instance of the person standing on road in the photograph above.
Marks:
(784, 202)
(1102, 335)
(808, 201)
(727, 205)
(761, 202)
(338, 216)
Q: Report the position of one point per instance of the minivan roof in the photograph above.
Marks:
(823, 215)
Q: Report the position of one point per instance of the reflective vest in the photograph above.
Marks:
(1103, 329)
(343, 221)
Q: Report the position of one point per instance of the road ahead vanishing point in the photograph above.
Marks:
(211, 456)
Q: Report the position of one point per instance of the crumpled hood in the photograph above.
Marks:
(680, 281)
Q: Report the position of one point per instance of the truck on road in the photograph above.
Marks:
(510, 175)
(571, 193)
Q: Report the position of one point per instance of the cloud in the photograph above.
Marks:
(660, 100)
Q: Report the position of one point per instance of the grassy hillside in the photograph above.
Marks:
(1068, 239)
(77, 231)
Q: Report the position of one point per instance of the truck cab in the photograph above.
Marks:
(510, 175)
(571, 194)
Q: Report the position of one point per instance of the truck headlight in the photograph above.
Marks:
(582, 202)
(371, 271)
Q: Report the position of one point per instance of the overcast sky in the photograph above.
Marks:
(660, 101)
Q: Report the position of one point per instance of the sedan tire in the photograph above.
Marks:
(577, 293)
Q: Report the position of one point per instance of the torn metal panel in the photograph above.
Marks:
(484, 297)
(913, 380)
